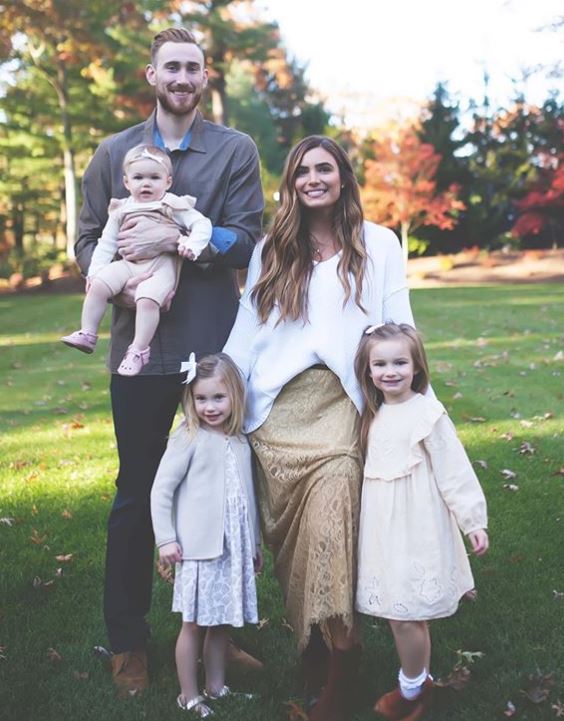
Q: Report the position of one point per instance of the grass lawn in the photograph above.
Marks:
(496, 362)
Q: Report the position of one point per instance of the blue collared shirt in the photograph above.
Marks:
(222, 238)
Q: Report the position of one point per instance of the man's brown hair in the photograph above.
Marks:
(172, 35)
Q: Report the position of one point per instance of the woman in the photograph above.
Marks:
(321, 275)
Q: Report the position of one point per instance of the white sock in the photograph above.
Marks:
(411, 687)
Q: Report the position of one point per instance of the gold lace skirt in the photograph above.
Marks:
(309, 481)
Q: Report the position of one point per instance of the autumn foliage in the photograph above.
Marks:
(400, 189)
(543, 203)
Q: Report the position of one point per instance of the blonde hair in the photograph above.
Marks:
(144, 152)
(220, 366)
(287, 256)
(373, 396)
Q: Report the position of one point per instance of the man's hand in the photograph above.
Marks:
(185, 252)
(143, 238)
(126, 299)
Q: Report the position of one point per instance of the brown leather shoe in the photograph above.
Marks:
(129, 673)
(241, 659)
(395, 707)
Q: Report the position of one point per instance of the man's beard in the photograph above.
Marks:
(182, 109)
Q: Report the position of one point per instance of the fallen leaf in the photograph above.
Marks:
(34, 510)
(548, 415)
(538, 687)
(81, 675)
(65, 557)
(558, 357)
(527, 424)
(7, 521)
(526, 448)
(38, 583)
(263, 623)
(16, 465)
(481, 463)
(285, 624)
(477, 419)
(510, 709)
(53, 655)
(457, 679)
(507, 436)
(17, 365)
(3, 656)
(508, 474)
(468, 656)
(457, 396)
(86, 386)
(511, 487)
(59, 573)
(66, 514)
(559, 708)
(559, 472)
(295, 711)
(557, 595)
(37, 538)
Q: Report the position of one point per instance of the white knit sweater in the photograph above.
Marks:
(270, 355)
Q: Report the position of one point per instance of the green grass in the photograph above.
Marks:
(493, 356)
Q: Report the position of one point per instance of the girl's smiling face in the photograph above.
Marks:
(392, 369)
(212, 402)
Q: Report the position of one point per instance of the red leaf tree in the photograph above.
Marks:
(543, 207)
(400, 188)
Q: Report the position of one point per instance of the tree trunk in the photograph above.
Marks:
(405, 242)
(68, 160)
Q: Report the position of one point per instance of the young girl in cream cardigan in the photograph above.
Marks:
(205, 520)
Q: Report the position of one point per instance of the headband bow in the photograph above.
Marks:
(147, 154)
(372, 328)
(190, 366)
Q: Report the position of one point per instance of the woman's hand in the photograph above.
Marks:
(170, 553)
(479, 540)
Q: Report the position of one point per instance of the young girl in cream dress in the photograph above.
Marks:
(419, 489)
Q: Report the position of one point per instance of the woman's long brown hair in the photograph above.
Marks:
(287, 256)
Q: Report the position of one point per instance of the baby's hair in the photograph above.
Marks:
(374, 397)
(220, 366)
(151, 152)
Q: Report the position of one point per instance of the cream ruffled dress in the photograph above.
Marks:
(419, 490)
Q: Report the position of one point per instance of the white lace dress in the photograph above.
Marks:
(419, 489)
(222, 590)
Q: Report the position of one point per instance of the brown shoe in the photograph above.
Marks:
(129, 673)
(395, 707)
(241, 659)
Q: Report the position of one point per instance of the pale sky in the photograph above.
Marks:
(362, 53)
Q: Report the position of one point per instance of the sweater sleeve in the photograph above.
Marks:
(200, 229)
(172, 470)
(397, 307)
(456, 479)
(247, 324)
(106, 248)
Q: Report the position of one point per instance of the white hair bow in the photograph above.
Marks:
(190, 366)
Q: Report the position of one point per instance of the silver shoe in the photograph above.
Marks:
(196, 705)
(225, 691)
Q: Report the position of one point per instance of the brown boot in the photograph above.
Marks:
(129, 673)
(335, 701)
(238, 658)
(395, 707)
(315, 667)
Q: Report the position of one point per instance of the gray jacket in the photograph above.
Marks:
(221, 169)
(188, 496)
